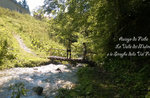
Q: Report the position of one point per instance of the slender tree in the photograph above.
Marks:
(24, 4)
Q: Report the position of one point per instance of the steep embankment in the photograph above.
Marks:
(34, 33)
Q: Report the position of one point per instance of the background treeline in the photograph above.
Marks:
(100, 23)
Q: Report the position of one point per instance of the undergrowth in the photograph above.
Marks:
(92, 83)
(96, 82)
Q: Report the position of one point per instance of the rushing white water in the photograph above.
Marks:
(46, 76)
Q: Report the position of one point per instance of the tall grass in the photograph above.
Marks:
(35, 35)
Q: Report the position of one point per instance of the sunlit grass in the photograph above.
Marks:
(35, 35)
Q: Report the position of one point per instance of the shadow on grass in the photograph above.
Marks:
(96, 83)
(92, 83)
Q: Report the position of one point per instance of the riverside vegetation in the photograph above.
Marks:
(99, 24)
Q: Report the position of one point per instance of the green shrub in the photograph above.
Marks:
(18, 90)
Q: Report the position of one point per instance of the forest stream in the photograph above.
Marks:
(50, 77)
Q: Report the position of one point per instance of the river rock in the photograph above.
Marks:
(59, 70)
(38, 90)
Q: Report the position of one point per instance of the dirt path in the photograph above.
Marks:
(22, 45)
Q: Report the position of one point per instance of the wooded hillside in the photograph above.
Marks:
(101, 24)
(116, 34)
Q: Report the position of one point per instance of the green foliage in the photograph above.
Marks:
(97, 83)
(18, 90)
(92, 84)
(100, 23)
(129, 82)
(38, 14)
(34, 33)
(3, 50)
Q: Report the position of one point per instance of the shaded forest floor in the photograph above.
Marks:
(93, 83)
(96, 83)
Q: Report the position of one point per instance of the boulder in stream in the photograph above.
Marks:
(38, 90)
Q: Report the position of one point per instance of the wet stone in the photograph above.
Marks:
(35, 68)
(38, 90)
(59, 70)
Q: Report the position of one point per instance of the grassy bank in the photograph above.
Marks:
(35, 35)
